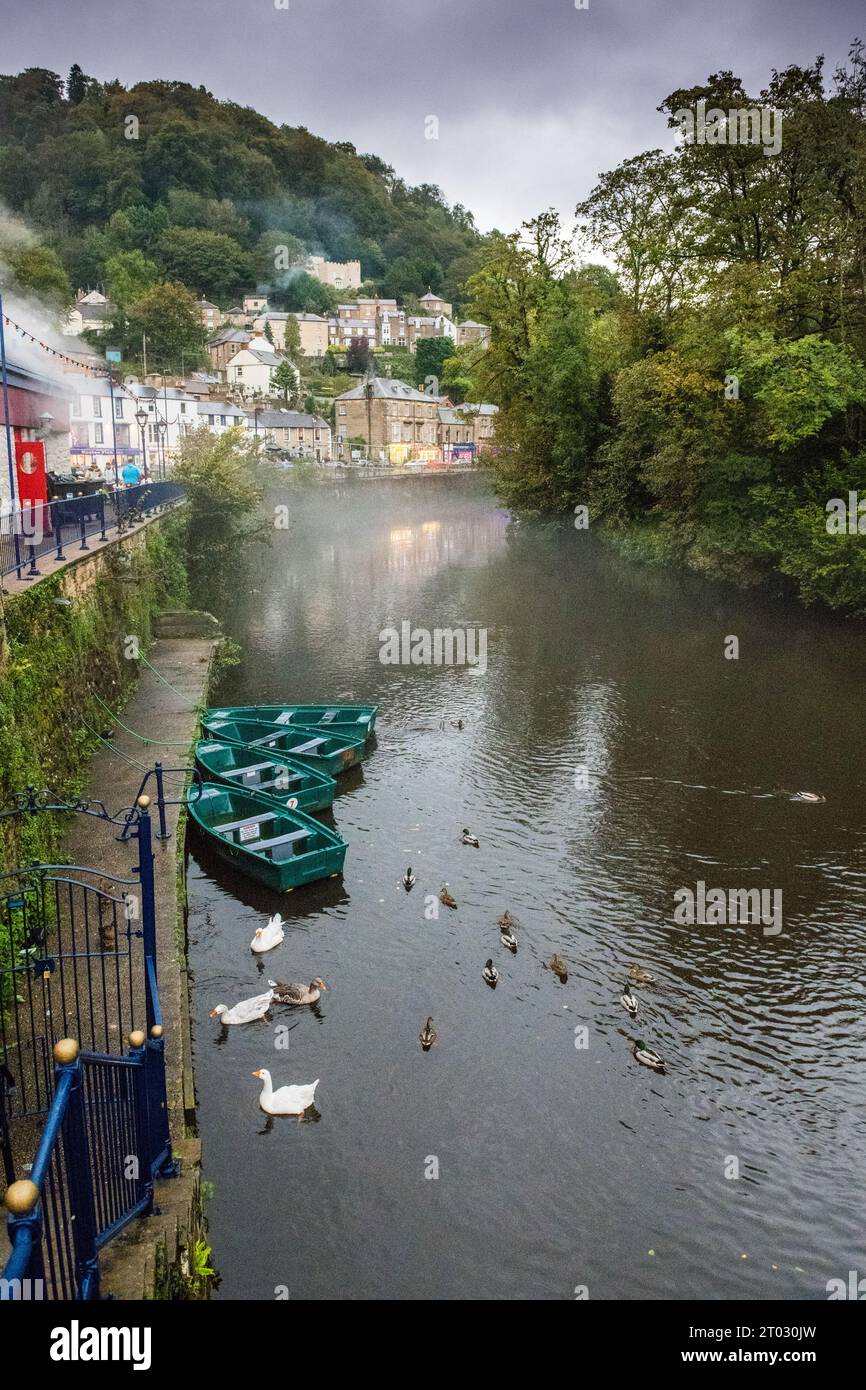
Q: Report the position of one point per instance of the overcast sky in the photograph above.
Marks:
(533, 97)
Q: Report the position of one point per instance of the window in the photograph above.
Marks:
(183, 407)
(98, 434)
(122, 433)
(97, 407)
(239, 371)
(118, 408)
(152, 434)
(341, 410)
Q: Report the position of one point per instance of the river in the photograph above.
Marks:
(564, 1167)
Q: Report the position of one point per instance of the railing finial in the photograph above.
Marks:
(66, 1051)
(21, 1197)
(137, 1038)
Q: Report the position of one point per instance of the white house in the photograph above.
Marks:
(218, 417)
(251, 370)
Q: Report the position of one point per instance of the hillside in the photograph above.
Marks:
(205, 190)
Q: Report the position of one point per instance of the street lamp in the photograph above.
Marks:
(141, 421)
(163, 430)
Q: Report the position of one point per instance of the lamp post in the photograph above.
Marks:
(256, 410)
(113, 427)
(141, 421)
(368, 396)
(163, 431)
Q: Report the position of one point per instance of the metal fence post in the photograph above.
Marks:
(145, 1156)
(162, 833)
(24, 1225)
(163, 1165)
(148, 905)
(78, 1172)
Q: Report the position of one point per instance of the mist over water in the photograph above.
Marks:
(558, 1167)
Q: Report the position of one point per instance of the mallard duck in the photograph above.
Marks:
(507, 921)
(559, 967)
(456, 723)
(428, 1035)
(408, 880)
(508, 939)
(288, 1100)
(445, 897)
(640, 976)
(467, 838)
(297, 994)
(647, 1057)
(266, 938)
(490, 974)
(247, 1011)
(808, 796)
(628, 1000)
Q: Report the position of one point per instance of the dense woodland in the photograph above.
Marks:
(706, 401)
(182, 187)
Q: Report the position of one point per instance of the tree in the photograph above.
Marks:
(220, 478)
(38, 269)
(430, 357)
(269, 332)
(167, 312)
(76, 85)
(358, 359)
(212, 264)
(127, 275)
(285, 379)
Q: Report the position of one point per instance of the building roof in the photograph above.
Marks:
(229, 335)
(388, 389)
(447, 416)
(472, 323)
(219, 408)
(207, 304)
(480, 409)
(437, 298)
(308, 318)
(289, 420)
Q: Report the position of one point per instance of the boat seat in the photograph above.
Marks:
(266, 738)
(282, 845)
(285, 783)
(244, 771)
(248, 820)
(328, 716)
(308, 746)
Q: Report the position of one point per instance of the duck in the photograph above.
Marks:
(808, 796)
(490, 974)
(639, 976)
(647, 1057)
(428, 1035)
(287, 993)
(507, 920)
(445, 897)
(628, 1000)
(247, 1011)
(559, 967)
(288, 1100)
(266, 938)
(467, 838)
(456, 723)
(408, 880)
(508, 939)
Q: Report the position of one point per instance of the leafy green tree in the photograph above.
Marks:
(210, 263)
(430, 356)
(38, 270)
(167, 312)
(76, 85)
(285, 380)
(127, 275)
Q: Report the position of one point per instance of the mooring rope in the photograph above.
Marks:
(157, 742)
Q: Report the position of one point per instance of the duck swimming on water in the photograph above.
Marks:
(289, 993)
(647, 1057)
(559, 967)
(490, 974)
(628, 1000)
(467, 838)
(445, 897)
(408, 880)
(640, 976)
(428, 1035)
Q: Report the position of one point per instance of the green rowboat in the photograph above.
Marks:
(278, 847)
(330, 753)
(355, 720)
(296, 785)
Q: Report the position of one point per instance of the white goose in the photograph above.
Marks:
(288, 1100)
(247, 1011)
(266, 938)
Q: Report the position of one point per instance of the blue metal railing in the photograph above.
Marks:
(105, 1140)
(33, 532)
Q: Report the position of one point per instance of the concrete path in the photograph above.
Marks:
(167, 716)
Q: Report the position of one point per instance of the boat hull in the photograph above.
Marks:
(358, 721)
(282, 780)
(330, 753)
(280, 848)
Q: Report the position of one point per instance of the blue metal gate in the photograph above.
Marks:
(82, 970)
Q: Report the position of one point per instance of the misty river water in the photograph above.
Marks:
(561, 1167)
